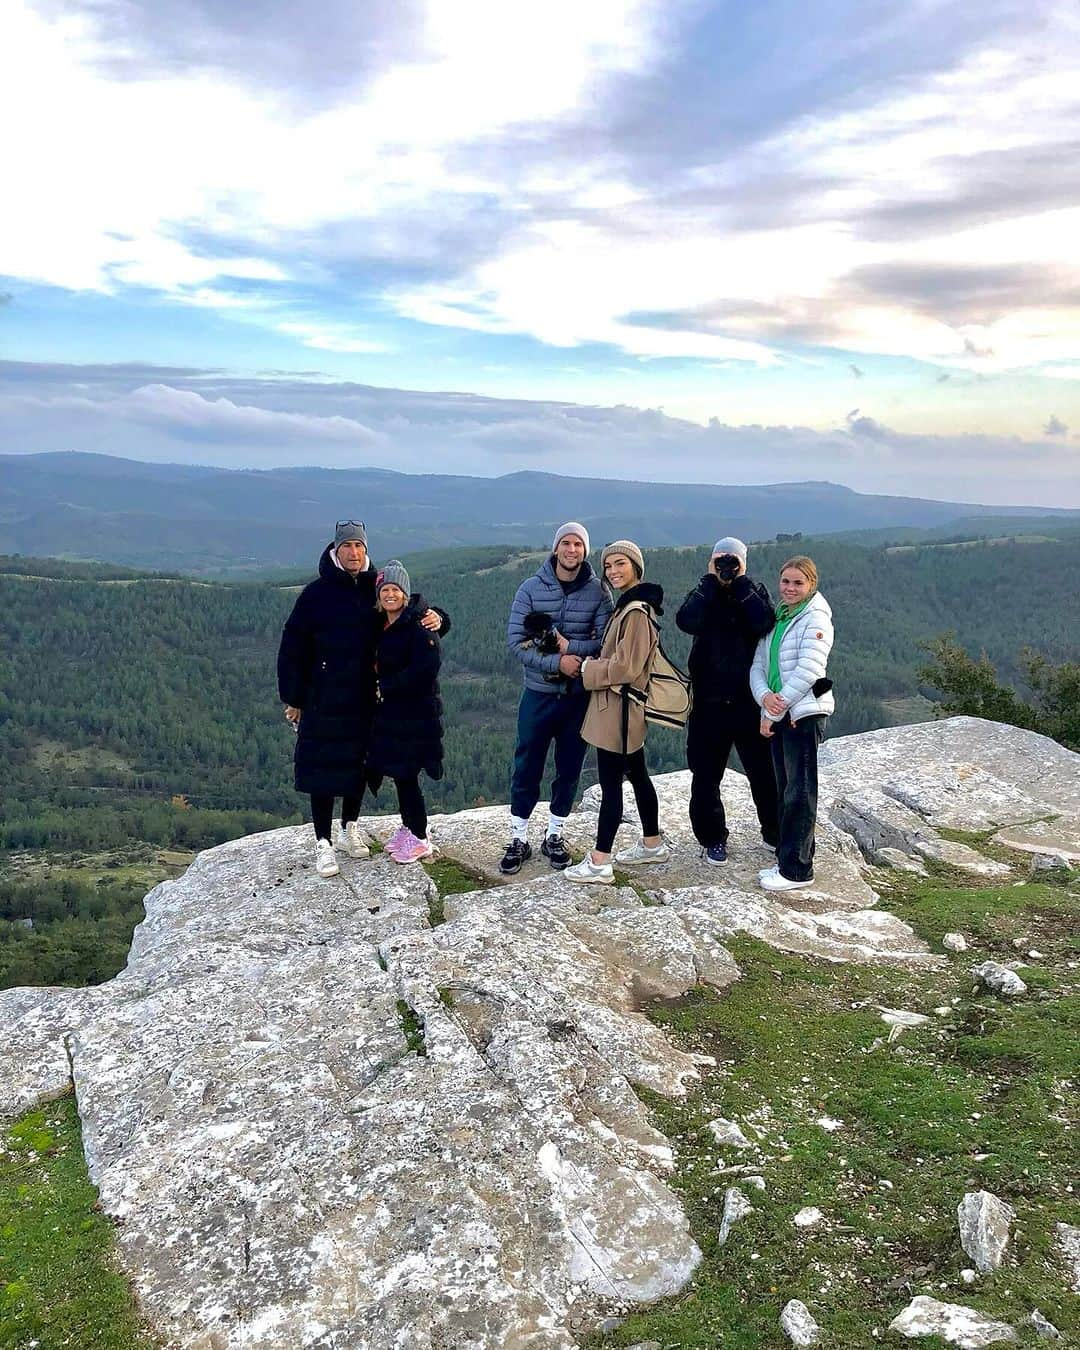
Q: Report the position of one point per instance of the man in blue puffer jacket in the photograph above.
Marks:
(556, 620)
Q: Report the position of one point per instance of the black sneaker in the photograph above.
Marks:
(555, 851)
(518, 851)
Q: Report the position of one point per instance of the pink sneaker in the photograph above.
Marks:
(395, 839)
(411, 849)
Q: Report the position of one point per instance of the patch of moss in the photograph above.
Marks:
(413, 1028)
(58, 1284)
(450, 878)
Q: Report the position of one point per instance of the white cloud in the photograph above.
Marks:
(259, 423)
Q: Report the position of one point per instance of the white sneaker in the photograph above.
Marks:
(590, 873)
(768, 871)
(325, 861)
(642, 853)
(353, 841)
(776, 881)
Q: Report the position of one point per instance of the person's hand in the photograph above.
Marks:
(766, 728)
(570, 666)
(774, 705)
(292, 714)
(563, 644)
(431, 621)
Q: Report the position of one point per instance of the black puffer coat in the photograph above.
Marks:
(407, 735)
(326, 668)
(726, 623)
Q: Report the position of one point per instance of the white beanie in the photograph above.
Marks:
(571, 527)
(730, 545)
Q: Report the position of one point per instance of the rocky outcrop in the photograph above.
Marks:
(322, 1117)
(984, 1228)
(954, 1323)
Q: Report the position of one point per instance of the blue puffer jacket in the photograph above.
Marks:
(579, 613)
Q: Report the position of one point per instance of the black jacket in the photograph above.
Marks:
(726, 623)
(326, 668)
(407, 733)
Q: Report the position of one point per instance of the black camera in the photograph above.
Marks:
(727, 567)
(540, 633)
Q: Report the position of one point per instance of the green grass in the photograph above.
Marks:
(58, 1284)
(450, 878)
(977, 1098)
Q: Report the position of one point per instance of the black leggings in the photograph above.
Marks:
(411, 805)
(322, 811)
(612, 768)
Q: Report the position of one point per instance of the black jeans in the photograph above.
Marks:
(543, 718)
(612, 768)
(412, 806)
(794, 756)
(712, 731)
(322, 812)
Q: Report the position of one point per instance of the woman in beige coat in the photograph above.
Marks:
(615, 719)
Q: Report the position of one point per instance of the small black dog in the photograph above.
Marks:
(541, 634)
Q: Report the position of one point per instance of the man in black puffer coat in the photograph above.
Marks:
(326, 679)
(726, 614)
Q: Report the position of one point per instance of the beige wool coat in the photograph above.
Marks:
(626, 657)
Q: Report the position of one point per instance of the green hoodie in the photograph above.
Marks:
(784, 619)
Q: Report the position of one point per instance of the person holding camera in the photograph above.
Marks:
(726, 614)
(556, 620)
(789, 683)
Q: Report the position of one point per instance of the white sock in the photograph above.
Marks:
(519, 828)
(555, 825)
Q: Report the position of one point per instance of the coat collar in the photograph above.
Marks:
(647, 591)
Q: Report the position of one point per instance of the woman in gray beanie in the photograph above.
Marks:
(407, 736)
(614, 722)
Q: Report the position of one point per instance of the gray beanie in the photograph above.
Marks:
(393, 574)
(628, 549)
(348, 531)
(571, 527)
(729, 545)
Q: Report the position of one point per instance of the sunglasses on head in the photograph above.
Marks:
(359, 524)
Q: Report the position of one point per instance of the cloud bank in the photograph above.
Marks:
(145, 413)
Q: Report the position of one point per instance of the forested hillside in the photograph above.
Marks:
(228, 522)
(140, 712)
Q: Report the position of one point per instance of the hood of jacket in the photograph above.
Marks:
(648, 591)
(330, 571)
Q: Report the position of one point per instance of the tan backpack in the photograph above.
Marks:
(667, 697)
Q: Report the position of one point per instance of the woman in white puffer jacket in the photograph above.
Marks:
(789, 683)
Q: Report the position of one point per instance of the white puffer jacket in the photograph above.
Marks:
(804, 656)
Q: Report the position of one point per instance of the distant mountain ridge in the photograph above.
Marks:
(198, 518)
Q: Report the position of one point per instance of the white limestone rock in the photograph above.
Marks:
(961, 772)
(797, 1324)
(954, 942)
(867, 936)
(884, 827)
(1058, 839)
(1068, 1241)
(808, 1217)
(984, 1228)
(1044, 1328)
(736, 1207)
(727, 1132)
(952, 1322)
(999, 979)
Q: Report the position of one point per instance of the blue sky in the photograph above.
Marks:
(751, 242)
